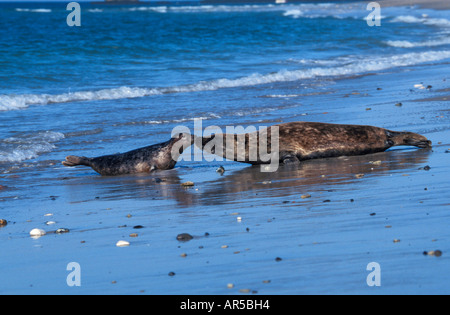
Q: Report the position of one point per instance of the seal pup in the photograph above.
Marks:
(162, 156)
(299, 141)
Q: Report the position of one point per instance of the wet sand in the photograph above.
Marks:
(244, 220)
(429, 4)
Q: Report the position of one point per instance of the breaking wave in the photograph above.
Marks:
(428, 43)
(440, 22)
(28, 146)
(34, 10)
(348, 66)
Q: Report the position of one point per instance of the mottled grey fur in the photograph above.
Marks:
(144, 160)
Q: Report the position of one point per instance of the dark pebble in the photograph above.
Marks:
(436, 253)
(206, 234)
(372, 214)
(427, 168)
(171, 274)
(62, 231)
(138, 227)
(278, 259)
(184, 237)
(447, 151)
(328, 200)
(286, 201)
(352, 200)
(158, 180)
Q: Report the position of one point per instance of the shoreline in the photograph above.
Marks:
(424, 4)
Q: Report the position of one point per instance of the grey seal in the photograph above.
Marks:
(299, 141)
(162, 156)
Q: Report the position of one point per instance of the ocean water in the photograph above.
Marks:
(131, 74)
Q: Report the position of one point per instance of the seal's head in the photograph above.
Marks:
(411, 139)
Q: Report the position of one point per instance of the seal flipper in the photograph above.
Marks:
(72, 160)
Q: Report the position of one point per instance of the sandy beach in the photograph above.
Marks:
(430, 4)
(314, 229)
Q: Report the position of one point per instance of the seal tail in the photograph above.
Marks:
(408, 139)
(72, 160)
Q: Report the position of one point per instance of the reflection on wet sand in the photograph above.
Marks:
(250, 182)
(156, 186)
(310, 176)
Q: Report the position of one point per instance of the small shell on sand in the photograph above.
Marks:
(436, 253)
(188, 184)
(419, 86)
(122, 244)
(37, 233)
(184, 237)
(3, 222)
(359, 175)
(62, 231)
(306, 196)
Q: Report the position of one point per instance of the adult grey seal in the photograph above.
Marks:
(162, 156)
(299, 141)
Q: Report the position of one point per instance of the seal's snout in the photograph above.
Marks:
(426, 144)
(72, 160)
(409, 139)
(417, 140)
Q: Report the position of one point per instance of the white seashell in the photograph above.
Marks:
(37, 233)
(122, 244)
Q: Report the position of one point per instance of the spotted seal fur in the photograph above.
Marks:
(299, 141)
(162, 156)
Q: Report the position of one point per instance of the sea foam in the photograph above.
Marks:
(428, 43)
(34, 10)
(351, 65)
(28, 146)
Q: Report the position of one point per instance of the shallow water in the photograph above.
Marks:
(129, 75)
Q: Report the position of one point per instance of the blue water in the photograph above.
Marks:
(130, 74)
